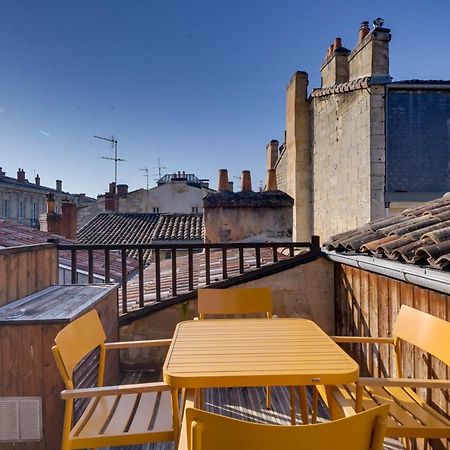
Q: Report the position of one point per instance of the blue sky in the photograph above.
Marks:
(201, 83)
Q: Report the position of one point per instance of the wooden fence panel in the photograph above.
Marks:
(27, 269)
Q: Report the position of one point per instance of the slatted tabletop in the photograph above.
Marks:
(255, 352)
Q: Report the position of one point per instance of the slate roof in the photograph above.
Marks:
(141, 228)
(42, 189)
(199, 273)
(419, 235)
(14, 235)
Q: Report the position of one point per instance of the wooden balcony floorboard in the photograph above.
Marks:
(245, 404)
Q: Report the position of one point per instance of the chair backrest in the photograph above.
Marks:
(425, 331)
(363, 431)
(75, 341)
(235, 301)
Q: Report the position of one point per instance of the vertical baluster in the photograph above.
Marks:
(291, 250)
(124, 281)
(207, 266)
(107, 267)
(241, 260)
(275, 254)
(158, 274)
(73, 266)
(224, 264)
(190, 269)
(258, 257)
(90, 266)
(141, 277)
(174, 272)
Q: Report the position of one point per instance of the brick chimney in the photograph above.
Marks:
(69, 219)
(59, 185)
(224, 185)
(370, 58)
(272, 154)
(122, 189)
(334, 69)
(50, 221)
(37, 180)
(246, 181)
(21, 176)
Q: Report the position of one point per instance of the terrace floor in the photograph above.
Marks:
(245, 404)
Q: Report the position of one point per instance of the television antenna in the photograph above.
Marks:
(145, 169)
(113, 141)
(159, 169)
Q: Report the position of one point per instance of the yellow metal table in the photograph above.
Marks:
(255, 352)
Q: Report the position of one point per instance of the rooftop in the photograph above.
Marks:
(419, 236)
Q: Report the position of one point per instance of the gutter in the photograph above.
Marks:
(433, 279)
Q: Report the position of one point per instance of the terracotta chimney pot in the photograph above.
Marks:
(272, 180)
(364, 30)
(246, 181)
(337, 43)
(223, 181)
(37, 180)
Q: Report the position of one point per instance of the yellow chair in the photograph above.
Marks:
(207, 431)
(410, 416)
(115, 415)
(247, 301)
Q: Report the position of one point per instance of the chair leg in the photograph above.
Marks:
(268, 397)
(315, 404)
(303, 397)
(292, 398)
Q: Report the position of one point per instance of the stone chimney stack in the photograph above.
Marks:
(122, 189)
(21, 176)
(271, 184)
(59, 185)
(224, 185)
(37, 180)
(50, 203)
(272, 154)
(370, 58)
(246, 181)
(334, 69)
(69, 219)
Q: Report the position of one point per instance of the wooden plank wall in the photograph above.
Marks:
(27, 269)
(367, 304)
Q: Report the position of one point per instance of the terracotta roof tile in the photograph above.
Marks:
(13, 234)
(418, 235)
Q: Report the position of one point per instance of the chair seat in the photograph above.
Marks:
(409, 415)
(124, 419)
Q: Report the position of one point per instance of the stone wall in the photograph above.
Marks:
(305, 291)
(281, 167)
(348, 160)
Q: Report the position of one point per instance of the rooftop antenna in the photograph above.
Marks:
(113, 141)
(159, 169)
(145, 169)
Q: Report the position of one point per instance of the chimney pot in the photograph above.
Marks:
(37, 180)
(364, 30)
(223, 180)
(337, 43)
(246, 181)
(271, 180)
(59, 185)
(21, 176)
(50, 203)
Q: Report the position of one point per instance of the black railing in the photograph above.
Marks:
(188, 266)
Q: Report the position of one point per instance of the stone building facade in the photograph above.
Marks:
(361, 147)
(23, 201)
(177, 193)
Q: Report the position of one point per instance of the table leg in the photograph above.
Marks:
(303, 397)
(189, 403)
(175, 414)
(315, 405)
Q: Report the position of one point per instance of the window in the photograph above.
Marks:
(156, 210)
(195, 209)
(34, 211)
(21, 210)
(5, 208)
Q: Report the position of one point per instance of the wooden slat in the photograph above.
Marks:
(381, 323)
(123, 414)
(99, 417)
(31, 353)
(144, 412)
(163, 420)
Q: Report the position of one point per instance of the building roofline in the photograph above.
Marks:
(434, 279)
